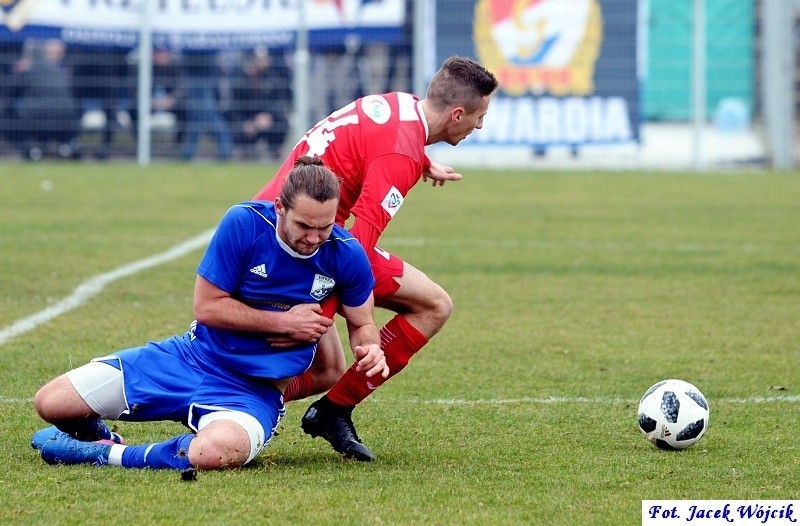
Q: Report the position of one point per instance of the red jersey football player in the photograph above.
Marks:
(376, 146)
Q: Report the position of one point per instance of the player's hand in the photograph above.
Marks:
(440, 174)
(370, 360)
(304, 324)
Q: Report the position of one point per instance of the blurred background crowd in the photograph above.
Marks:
(584, 83)
(71, 103)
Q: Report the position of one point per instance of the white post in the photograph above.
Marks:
(144, 85)
(302, 67)
(698, 81)
(419, 44)
(777, 18)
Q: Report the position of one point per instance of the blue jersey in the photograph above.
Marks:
(247, 259)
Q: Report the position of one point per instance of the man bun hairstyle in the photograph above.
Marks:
(310, 177)
(461, 81)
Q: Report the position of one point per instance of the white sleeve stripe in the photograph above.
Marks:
(342, 239)
(262, 216)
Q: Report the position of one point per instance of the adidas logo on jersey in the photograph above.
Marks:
(259, 270)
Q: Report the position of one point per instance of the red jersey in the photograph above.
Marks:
(376, 147)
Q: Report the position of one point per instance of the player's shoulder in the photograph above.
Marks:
(255, 207)
(395, 106)
(342, 240)
(340, 234)
(254, 211)
(344, 252)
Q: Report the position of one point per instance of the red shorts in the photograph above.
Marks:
(386, 268)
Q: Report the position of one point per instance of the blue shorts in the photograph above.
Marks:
(167, 380)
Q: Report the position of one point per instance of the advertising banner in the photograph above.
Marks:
(202, 24)
(567, 69)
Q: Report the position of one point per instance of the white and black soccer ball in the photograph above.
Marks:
(673, 414)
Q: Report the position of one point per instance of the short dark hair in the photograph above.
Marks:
(310, 177)
(460, 81)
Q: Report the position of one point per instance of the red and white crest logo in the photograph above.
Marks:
(393, 201)
(17, 12)
(540, 46)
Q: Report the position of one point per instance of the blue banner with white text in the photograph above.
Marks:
(203, 25)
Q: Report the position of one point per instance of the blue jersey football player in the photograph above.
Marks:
(258, 321)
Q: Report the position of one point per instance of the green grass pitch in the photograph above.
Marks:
(573, 293)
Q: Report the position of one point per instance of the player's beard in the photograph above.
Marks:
(305, 249)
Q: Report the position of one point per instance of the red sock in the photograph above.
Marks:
(298, 388)
(400, 341)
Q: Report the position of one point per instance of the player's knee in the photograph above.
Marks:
(325, 380)
(43, 402)
(329, 364)
(441, 306)
(226, 439)
(50, 400)
(225, 447)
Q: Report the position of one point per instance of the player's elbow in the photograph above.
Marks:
(203, 312)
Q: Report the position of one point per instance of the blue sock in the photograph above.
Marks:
(169, 454)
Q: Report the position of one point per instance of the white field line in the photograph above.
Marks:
(94, 285)
(609, 246)
(548, 400)
(601, 400)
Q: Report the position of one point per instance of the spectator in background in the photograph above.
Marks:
(202, 112)
(10, 53)
(374, 63)
(100, 82)
(386, 66)
(400, 55)
(167, 95)
(45, 108)
(335, 76)
(262, 100)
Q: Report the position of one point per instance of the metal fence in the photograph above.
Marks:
(72, 103)
(76, 101)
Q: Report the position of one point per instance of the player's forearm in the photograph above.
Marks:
(370, 358)
(361, 328)
(364, 335)
(231, 314)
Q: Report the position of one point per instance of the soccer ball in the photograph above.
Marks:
(673, 414)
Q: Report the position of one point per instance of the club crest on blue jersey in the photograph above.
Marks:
(322, 286)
